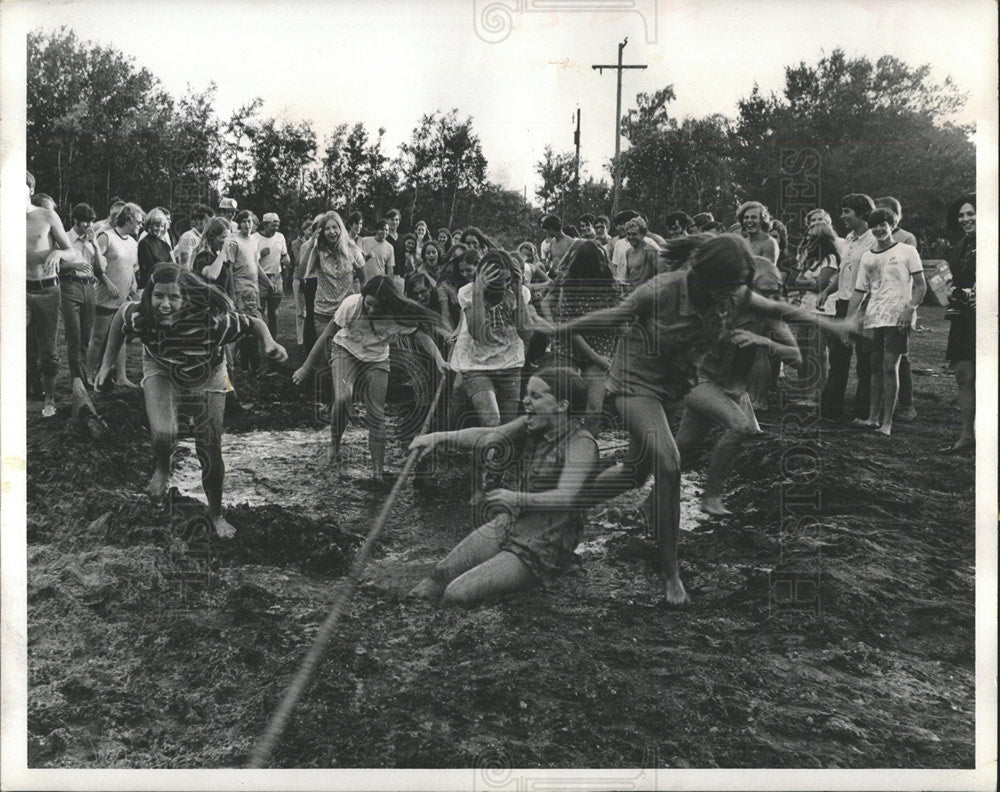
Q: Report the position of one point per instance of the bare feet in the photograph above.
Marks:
(961, 445)
(885, 429)
(48, 410)
(907, 415)
(713, 505)
(674, 591)
(125, 382)
(157, 486)
(222, 528)
(867, 423)
(427, 589)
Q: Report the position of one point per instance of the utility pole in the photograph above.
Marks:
(576, 141)
(618, 120)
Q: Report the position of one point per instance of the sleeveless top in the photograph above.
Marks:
(121, 261)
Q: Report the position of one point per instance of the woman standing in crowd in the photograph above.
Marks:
(420, 233)
(588, 285)
(153, 248)
(534, 528)
(444, 240)
(818, 260)
(961, 351)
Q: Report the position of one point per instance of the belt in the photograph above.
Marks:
(77, 278)
(40, 285)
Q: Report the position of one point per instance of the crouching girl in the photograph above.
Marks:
(184, 323)
(536, 527)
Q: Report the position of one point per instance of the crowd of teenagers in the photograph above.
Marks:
(534, 344)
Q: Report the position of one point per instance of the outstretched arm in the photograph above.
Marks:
(473, 437)
(317, 351)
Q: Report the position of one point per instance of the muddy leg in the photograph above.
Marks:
(647, 424)
(502, 574)
(344, 369)
(161, 408)
(631, 472)
(716, 406)
(479, 546)
(375, 387)
(208, 443)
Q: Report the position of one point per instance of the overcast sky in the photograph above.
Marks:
(385, 63)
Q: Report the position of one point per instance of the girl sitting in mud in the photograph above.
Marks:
(358, 339)
(184, 323)
(535, 528)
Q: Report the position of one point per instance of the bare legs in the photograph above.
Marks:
(162, 406)
(476, 569)
(965, 376)
(651, 447)
(704, 406)
(374, 382)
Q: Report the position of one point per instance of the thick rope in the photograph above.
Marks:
(279, 720)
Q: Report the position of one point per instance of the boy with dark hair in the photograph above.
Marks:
(854, 211)
(892, 276)
(586, 224)
(559, 242)
(678, 224)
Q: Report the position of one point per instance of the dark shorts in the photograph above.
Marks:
(505, 383)
(962, 338)
(889, 340)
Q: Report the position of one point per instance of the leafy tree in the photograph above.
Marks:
(281, 154)
(879, 128)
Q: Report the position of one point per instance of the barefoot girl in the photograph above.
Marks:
(673, 319)
(536, 527)
(357, 341)
(721, 397)
(183, 323)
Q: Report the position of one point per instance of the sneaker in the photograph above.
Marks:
(907, 415)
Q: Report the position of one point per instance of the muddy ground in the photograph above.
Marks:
(846, 640)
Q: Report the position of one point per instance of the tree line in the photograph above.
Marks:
(99, 125)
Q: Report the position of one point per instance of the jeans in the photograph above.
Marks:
(78, 320)
(42, 324)
(840, 369)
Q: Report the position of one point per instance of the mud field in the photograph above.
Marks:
(845, 639)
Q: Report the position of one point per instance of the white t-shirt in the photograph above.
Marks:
(363, 336)
(270, 264)
(505, 352)
(888, 276)
(186, 246)
(380, 259)
(121, 261)
(850, 256)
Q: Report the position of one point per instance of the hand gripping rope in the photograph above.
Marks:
(279, 720)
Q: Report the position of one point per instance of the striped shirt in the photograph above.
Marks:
(190, 348)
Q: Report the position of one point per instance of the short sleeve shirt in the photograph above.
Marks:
(850, 258)
(503, 350)
(365, 337)
(270, 263)
(242, 252)
(888, 276)
(191, 348)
